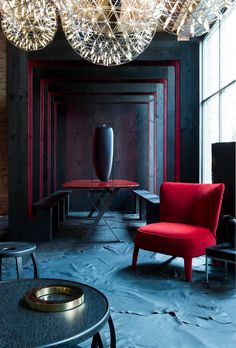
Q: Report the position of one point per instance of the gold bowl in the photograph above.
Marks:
(54, 298)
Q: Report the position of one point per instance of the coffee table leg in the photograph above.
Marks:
(112, 333)
(35, 265)
(99, 340)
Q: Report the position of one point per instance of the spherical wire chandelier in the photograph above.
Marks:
(29, 24)
(108, 32)
(191, 18)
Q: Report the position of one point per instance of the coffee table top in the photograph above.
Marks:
(24, 327)
(97, 184)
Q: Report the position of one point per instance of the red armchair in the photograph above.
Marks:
(189, 215)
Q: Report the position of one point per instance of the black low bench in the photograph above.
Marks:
(51, 211)
(148, 205)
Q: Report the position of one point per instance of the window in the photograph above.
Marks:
(228, 113)
(218, 90)
(211, 63)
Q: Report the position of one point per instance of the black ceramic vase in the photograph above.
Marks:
(103, 144)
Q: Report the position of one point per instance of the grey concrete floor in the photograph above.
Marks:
(153, 307)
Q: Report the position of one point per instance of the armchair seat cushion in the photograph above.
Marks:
(176, 239)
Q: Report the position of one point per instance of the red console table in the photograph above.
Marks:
(107, 191)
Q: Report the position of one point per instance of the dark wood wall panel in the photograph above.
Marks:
(152, 103)
(81, 120)
(148, 98)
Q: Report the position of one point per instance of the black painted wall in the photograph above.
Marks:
(163, 48)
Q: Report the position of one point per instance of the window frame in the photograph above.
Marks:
(218, 91)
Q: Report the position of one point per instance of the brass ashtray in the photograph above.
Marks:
(54, 298)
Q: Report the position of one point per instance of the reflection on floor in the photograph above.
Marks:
(152, 307)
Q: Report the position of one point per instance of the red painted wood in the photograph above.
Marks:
(164, 81)
(55, 146)
(174, 63)
(92, 184)
(165, 121)
(41, 139)
(78, 156)
(49, 144)
(177, 121)
(154, 94)
(155, 143)
(105, 81)
(48, 64)
(149, 147)
(75, 93)
(165, 131)
(30, 138)
(165, 112)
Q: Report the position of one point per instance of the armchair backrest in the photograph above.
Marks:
(195, 204)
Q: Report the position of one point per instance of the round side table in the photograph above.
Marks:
(23, 327)
(18, 250)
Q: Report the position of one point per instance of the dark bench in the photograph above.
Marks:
(51, 211)
(148, 205)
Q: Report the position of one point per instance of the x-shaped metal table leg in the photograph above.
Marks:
(101, 209)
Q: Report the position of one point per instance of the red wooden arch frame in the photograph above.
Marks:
(35, 63)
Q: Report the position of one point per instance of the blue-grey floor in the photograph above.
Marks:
(152, 307)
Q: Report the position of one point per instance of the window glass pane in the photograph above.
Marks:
(228, 48)
(210, 133)
(228, 114)
(211, 63)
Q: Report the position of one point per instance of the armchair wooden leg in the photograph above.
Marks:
(135, 257)
(188, 269)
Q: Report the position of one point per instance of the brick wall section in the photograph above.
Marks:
(3, 127)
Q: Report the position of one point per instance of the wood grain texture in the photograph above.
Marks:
(3, 127)
(64, 74)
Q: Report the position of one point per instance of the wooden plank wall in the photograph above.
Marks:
(3, 127)
(39, 93)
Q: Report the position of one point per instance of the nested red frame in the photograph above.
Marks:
(154, 94)
(35, 63)
(127, 102)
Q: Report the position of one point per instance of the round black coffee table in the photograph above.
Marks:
(24, 327)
